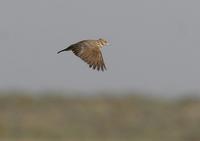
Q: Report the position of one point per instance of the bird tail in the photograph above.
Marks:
(66, 49)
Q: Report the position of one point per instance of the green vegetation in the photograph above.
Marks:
(25, 117)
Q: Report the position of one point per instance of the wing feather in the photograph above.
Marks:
(91, 55)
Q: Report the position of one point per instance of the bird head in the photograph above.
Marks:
(102, 42)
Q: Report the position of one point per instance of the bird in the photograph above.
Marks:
(89, 51)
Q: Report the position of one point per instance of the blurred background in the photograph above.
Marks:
(150, 91)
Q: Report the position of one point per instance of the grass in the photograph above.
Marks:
(24, 117)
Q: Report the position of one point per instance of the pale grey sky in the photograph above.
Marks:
(155, 44)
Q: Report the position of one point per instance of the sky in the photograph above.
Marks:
(155, 45)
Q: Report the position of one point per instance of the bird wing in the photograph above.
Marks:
(91, 55)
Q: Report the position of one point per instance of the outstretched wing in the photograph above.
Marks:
(91, 55)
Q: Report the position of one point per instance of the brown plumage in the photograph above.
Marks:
(89, 51)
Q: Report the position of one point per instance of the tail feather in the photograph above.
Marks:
(66, 49)
(60, 51)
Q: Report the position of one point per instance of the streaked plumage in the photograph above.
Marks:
(89, 51)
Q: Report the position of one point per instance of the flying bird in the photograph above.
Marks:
(89, 51)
